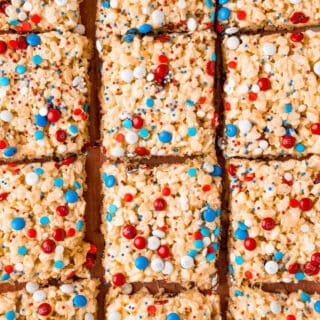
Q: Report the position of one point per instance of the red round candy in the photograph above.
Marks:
(129, 232)
(250, 244)
(291, 317)
(161, 71)
(296, 36)
(299, 17)
(61, 135)
(35, 18)
(8, 269)
(3, 196)
(151, 309)
(59, 234)
(248, 275)
(241, 15)
(268, 224)
(53, 115)
(198, 236)
(311, 268)
(3, 47)
(163, 251)
(140, 243)
(22, 43)
(306, 204)
(128, 197)
(163, 58)
(210, 68)
(62, 211)
(71, 232)
(32, 233)
(315, 128)
(44, 309)
(288, 141)
(316, 258)
(48, 246)
(166, 191)
(264, 84)
(3, 144)
(118, 279)
(93, 249)
(293, 268)
(137, 122)
(160, 204)
(141, 151)
(294, 203)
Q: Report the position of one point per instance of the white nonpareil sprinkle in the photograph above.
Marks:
(158, 233)
(269, 248)
(316, 68)
(181, 4)
(269, 49)
(117, 152)
(114, 4)
(271, 267)
(192, 24)
(208, 167)
(66, 288)
(6, 116)
(88, 316)
(131, 137)
(233, 43)
(32, 287)
(304, 228)
(245, 126)
(127, 288)
(31, 178)
(139, 72)
(61, 2)
(187, 262)
(168, 268)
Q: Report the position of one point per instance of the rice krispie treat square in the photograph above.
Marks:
(43, 94)
(272, 95)
(157, 95)
(147, 16)
(39, 15)
(42, 221)
(275, 224)
(188, 305)
(256, 304)
(268, 14)
(162, 223)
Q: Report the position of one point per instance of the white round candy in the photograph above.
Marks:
(245, 126)
(263, 144)
(150, 77)
(302, 108)
(27, 6)
(255, 88)
(19, 267)
(39, 296)
(114, 316)
(233, 43)
(117, 152)
(22, 16)
(168, 268)
(139, 72)
(66, 288)
(192, 24)
(114, 4)
(59, 249)
(187, 262)
(6, 116)
(157, 265)
(153, 243)
(275, 307)
(127, 288)
(316, 68)
(271, 267)
(61, 2)
(131, 137)
(32, 287)
(88, 316)
(43, 112)
(158, 233)
(269, 248)
(208, 167)
(62, 148)
(181, 4)
(126, 75)
(288, 176)
(158, 17)
(231, 30)
(31, 178)
(269, 49)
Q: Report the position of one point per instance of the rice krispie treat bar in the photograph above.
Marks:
(132, 17)
(272, 95)
(256, 304)
(270, 14)
(43, 94)
(39, 15)
(188, 305)
(42, 221)
(162, 223)
(157, 95)
(275, 233)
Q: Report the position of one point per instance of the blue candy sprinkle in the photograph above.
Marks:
(58, 182)
(165, 137)
(239, 260)
(9, 152)
(73, 129)
(22, 251)
(33, 40)
(79, 301)
(278, 255)
(300, 147)
(141, 263)
(241, 234)
(149, 102)
(20, 69)
(192, 172)
(40, 121)
(44, 220)
(209, 214)
(223, 14)
(231, 130)
(299, 276)
(71, 196)
(288, 108)
(17, 223)
(10, 315)
(217, 171)
(127, 124)
(37, 59)
(39, 135)
(109, 181)
(144, 133)
(145, 28)
(58, 264)
(317, 306)
(305, 297)
(172, 316)
(4, 81)
(210, 257)
(192, 132)
(198, 244)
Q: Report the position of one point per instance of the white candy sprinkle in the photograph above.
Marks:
(309, 247)
(245, 126)
(233, 43)
(19, 267)
(61, 2)
(66, 288)
(158, 233)
(153, 243)
(131, 137)
(302, 108)
(127, 288)
(269, 248)
(288, 176)
(150, 77)
(187, 262)
(125, 115)
(32, 287)
(117, 152)
(269, 49)
(316, 68)
(255, 88)
(43, 112)
(88, 316)
(158, 17)
(248, 223)
(22, 16)
(114, 4)
(146, 10)
(263, 144)
(267, 67)
(62, 148)
(139, 72)
(208, 167)
(206, 241)
(157, 265)
(99, 46)
(114, 316)
(27, 6)
(6, 116)
(304, 228)
(231, 30)
(271, 267)
(39, 296)
(31, 178)
(275, 307)
(126, 75)
(168, 268)
(192, 24)
(200, 113)
(59, 250)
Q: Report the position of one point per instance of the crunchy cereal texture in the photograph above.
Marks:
(255, 304)
(272, 95)
(269, 14)
(188, 305)
(39, 15)
(157, 95)
(162, 223)
(42, 221)
(43, 94)
(144, 16)
(9, 303)
(275, 234)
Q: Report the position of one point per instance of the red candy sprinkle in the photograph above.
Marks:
(129, 232)
(315, 128)
(163, 252)
(53, 115)
(296, 36)
(250, 244)
(93, 249)
(137, 122)
(22, 43)
(291, 317)
(140, 243)
(248, 275)
(264, 84)
(293, 203)
(3, 47)
(44, 309)
(3, 196)
(311, 268)
(210, 68)
(268, 224)
(62, 211)
(163, 59)
(8, 269)
(316, 258)
(288, 141)
(32, 233)
(118, 279)
(71, 232)
(306, 204)
(166, 191)
(35, 18)
(48, 246)
(160, 204)
(241, 15)
(151, 310)
(61, 135)
(140, 151)
(59, 234)
(3, 144)
(299, 17)
(128, 197)
(293, 268)
(161, 71)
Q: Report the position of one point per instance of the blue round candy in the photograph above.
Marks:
(9, 152)
(300, 147)
(305, 297)
(223, 14)
(209, 215)
(192, 132)
(39, 135)
(33, 39)
(110, 181)
(221, 2)
(71, 196)
(144, 133)
(288, 108)
(4, 81)
(172, 316)
(145, 28)
(241, 234)
(141, 263)
(128, 38)
(231, 130)
(165, 137)
(209, 3)
(79, 301)
(317, 306)
(217, 171)
(18, 223)
(59, 264)
(22, 251)
(37, 59)
(20, 69)
(10, 315)
(198, 244)
(40, 121)
(132, 31)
